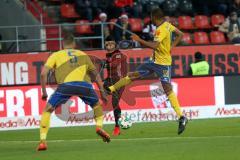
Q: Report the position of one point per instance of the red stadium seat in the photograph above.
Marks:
(146, 20)
(96, 21)
(201, 38)
(217, 19)
(187, 39)
(185, 22)
(52, 32)
(82, 27)
(136, 24)
(202, 22)
(217, 37)
(68, 11)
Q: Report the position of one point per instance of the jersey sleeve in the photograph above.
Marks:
(172, 27)
(90, 65)
(51, 61)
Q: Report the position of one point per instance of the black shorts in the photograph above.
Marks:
(116, 96)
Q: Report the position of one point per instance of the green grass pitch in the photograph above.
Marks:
(211, 139)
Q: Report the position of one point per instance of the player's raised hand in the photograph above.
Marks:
(135, 37)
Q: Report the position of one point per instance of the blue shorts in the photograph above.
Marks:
(65, 91)
(149, 67)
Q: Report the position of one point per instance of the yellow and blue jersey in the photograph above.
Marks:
(163, 35)
(71, 72)
(70, 65)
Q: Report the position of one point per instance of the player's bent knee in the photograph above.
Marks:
(49, 108)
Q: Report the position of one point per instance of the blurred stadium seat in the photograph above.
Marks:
(52, 32)
(83, 28)
(202, 22)
(187, 39)
(96, 21)
(217, 37)
(68, 11)
(185, 22)
(201, 38)
(136, 24)
(146, 20)
(217, 19)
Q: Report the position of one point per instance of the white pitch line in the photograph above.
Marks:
(124, 139)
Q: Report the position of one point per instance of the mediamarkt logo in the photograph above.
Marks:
(20, 122)
(223, 111)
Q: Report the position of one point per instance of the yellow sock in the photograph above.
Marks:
(121, 83)
(44, 125)
(98, 115)
(175, 104)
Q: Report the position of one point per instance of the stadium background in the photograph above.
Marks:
(31, 29)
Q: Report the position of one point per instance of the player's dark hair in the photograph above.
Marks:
(198, 56)
(68, 39)
(109, 38)
(157, 13)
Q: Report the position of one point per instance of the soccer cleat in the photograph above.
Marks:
(42, 146)
(103, 134)
(182, 124)
(116, 131)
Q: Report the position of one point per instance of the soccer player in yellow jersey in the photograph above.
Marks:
(160, 62)
(72, 69)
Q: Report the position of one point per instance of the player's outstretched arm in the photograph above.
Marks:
(99, 84)
(178, 38)
(152, 45)
(43, 80)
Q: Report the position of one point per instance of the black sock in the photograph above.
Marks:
(117, 115)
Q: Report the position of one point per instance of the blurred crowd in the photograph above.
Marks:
(104, 10)
(141, 8)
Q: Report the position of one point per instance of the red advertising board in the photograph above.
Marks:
(25, 68)
(144, 94)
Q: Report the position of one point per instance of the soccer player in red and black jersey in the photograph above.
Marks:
(116, 65)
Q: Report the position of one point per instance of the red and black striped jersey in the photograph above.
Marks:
(116, 64)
